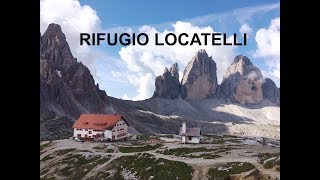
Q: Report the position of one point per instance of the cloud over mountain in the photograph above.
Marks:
(151, 59)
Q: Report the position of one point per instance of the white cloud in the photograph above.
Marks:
(144, 84)
(252, 75)
(126, 97)
(245, 28)
(242, 15)
(73, 19)
(151, 60)
(268, 42)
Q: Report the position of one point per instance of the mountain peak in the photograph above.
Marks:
(242, 81)
(243, 59)
(202, 51)
(201, 54)
(54, 30)
(199, 79)
(165, 70)
(174, 70)
(167, 85)
(242, 65)
(53, 26)
(55, 48)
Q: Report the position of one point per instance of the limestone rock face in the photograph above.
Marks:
(242, 82)
(67, 88)
(167, 85)
(271, 91)
(67, 85)
(199, 79)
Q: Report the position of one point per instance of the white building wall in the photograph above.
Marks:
(84, 132)
(120, 130)
(108, 134)
(193, 140)
(76, 131)
(183, 139)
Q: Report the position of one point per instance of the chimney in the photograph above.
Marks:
(184, 128)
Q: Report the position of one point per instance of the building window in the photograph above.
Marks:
(90, 132)
(86, 129)
(190, 138)
(121, 129)
(122, 134)
(113, 130)
(79, 135)
(117, 129)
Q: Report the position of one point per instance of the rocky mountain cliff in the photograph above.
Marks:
(199, 79)
(67, 89)
(167, 85)
(271, 91)
(242, 82)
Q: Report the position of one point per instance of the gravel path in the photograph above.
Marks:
(200, 165)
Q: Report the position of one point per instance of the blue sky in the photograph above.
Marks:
(130, 13)
(129, 72)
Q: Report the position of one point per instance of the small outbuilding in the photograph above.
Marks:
(189, 135)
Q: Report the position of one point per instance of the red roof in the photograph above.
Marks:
(97, 121)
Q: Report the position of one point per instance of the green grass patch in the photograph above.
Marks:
(129, 149)
(109, 150)
(48, 178)
(269, 160)
(186, 152)
(47, 157)
(43, 146)
(76, 166)
(212, 139)
(44, 171)
(102, 175)
(212, 136)
(256, 174)
(147, 166)
(264, 156)
(64, 151)
(224, 172)
(98, 147)
(268, 164)
(204, 155)
(234, 140)
(230, 136)
(84, 151)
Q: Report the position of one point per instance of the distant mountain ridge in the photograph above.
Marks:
(67, 89)
(243, 82)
